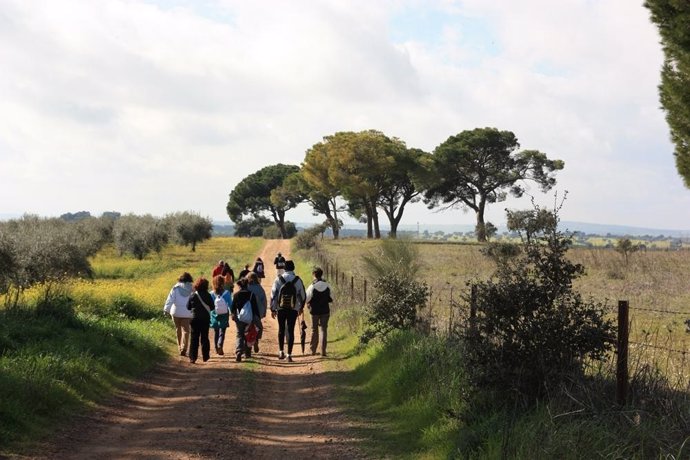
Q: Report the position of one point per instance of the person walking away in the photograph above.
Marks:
(218, 269)
(259, 269)
(261, 300)
(228, 276)
(200, 304)
(240, 300)
(220, 315)
(176, 307)
(279, 262)
(318, 300)
(245, 271)
(287, 300)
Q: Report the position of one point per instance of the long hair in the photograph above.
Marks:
(218, 284)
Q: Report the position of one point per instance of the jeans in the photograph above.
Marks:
(200, 332)
(286, 327)
(219, 336)
(319, 322)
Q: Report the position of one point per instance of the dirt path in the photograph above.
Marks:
(221, 409)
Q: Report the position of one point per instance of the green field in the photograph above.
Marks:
(59, 357)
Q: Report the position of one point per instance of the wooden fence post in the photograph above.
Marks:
(450, 314)
(365, 290)
(622, 353)
(352, 288)
(473, 307)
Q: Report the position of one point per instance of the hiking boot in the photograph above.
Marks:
(220, 351)
(289, 358)
(248, 353)
(256, 347)
(238, 357)
(323, 353)
(281, 355)
(183, 352)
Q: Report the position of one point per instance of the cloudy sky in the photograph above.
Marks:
(162, 106)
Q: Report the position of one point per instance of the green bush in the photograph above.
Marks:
(394, 307)
(306, 239)
(531, 328)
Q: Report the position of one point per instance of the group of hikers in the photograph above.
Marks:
(195, 309)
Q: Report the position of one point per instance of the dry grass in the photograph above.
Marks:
(652, 280)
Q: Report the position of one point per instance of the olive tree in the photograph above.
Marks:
(139, 235)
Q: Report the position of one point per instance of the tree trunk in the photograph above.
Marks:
(335, 228)
(375, 217)
(481, 229)
(370, 230)
(279, 217)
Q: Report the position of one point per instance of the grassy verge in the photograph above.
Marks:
(409, 396)
(60, 355)
(52, 366)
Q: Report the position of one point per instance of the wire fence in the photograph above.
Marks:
(450, 307)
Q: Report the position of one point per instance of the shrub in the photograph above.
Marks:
(395, 306)
(306, 239)
(393, 256)
(531, 328)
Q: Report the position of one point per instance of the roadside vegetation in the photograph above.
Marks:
(430, 391)
(68, 342)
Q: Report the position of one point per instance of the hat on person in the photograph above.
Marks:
(289, 265)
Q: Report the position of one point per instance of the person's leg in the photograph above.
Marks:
(205, 343)
(313, 344)
(282, 322)
(290, 332)
(239, 340)
(186, 325)
(259, 332)
(220, 341)
(194, 345)
(216, 337)
(323, 323)
(178, 330)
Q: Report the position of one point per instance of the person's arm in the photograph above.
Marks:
(310, 293)
(169, 301)
(301, 295)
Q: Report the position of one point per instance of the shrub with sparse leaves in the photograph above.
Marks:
(139, 235)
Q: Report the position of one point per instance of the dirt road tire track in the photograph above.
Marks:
(220, 409)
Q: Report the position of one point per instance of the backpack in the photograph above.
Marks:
(287, 295)
(221, 305)
(246, 315)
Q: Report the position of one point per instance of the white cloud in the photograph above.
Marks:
(133, 106)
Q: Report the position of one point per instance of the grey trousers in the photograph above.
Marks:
(319, 332)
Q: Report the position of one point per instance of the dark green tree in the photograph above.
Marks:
(673, 19)
(254, 226)
(479, 167)
(399, 183)
(252, 196)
